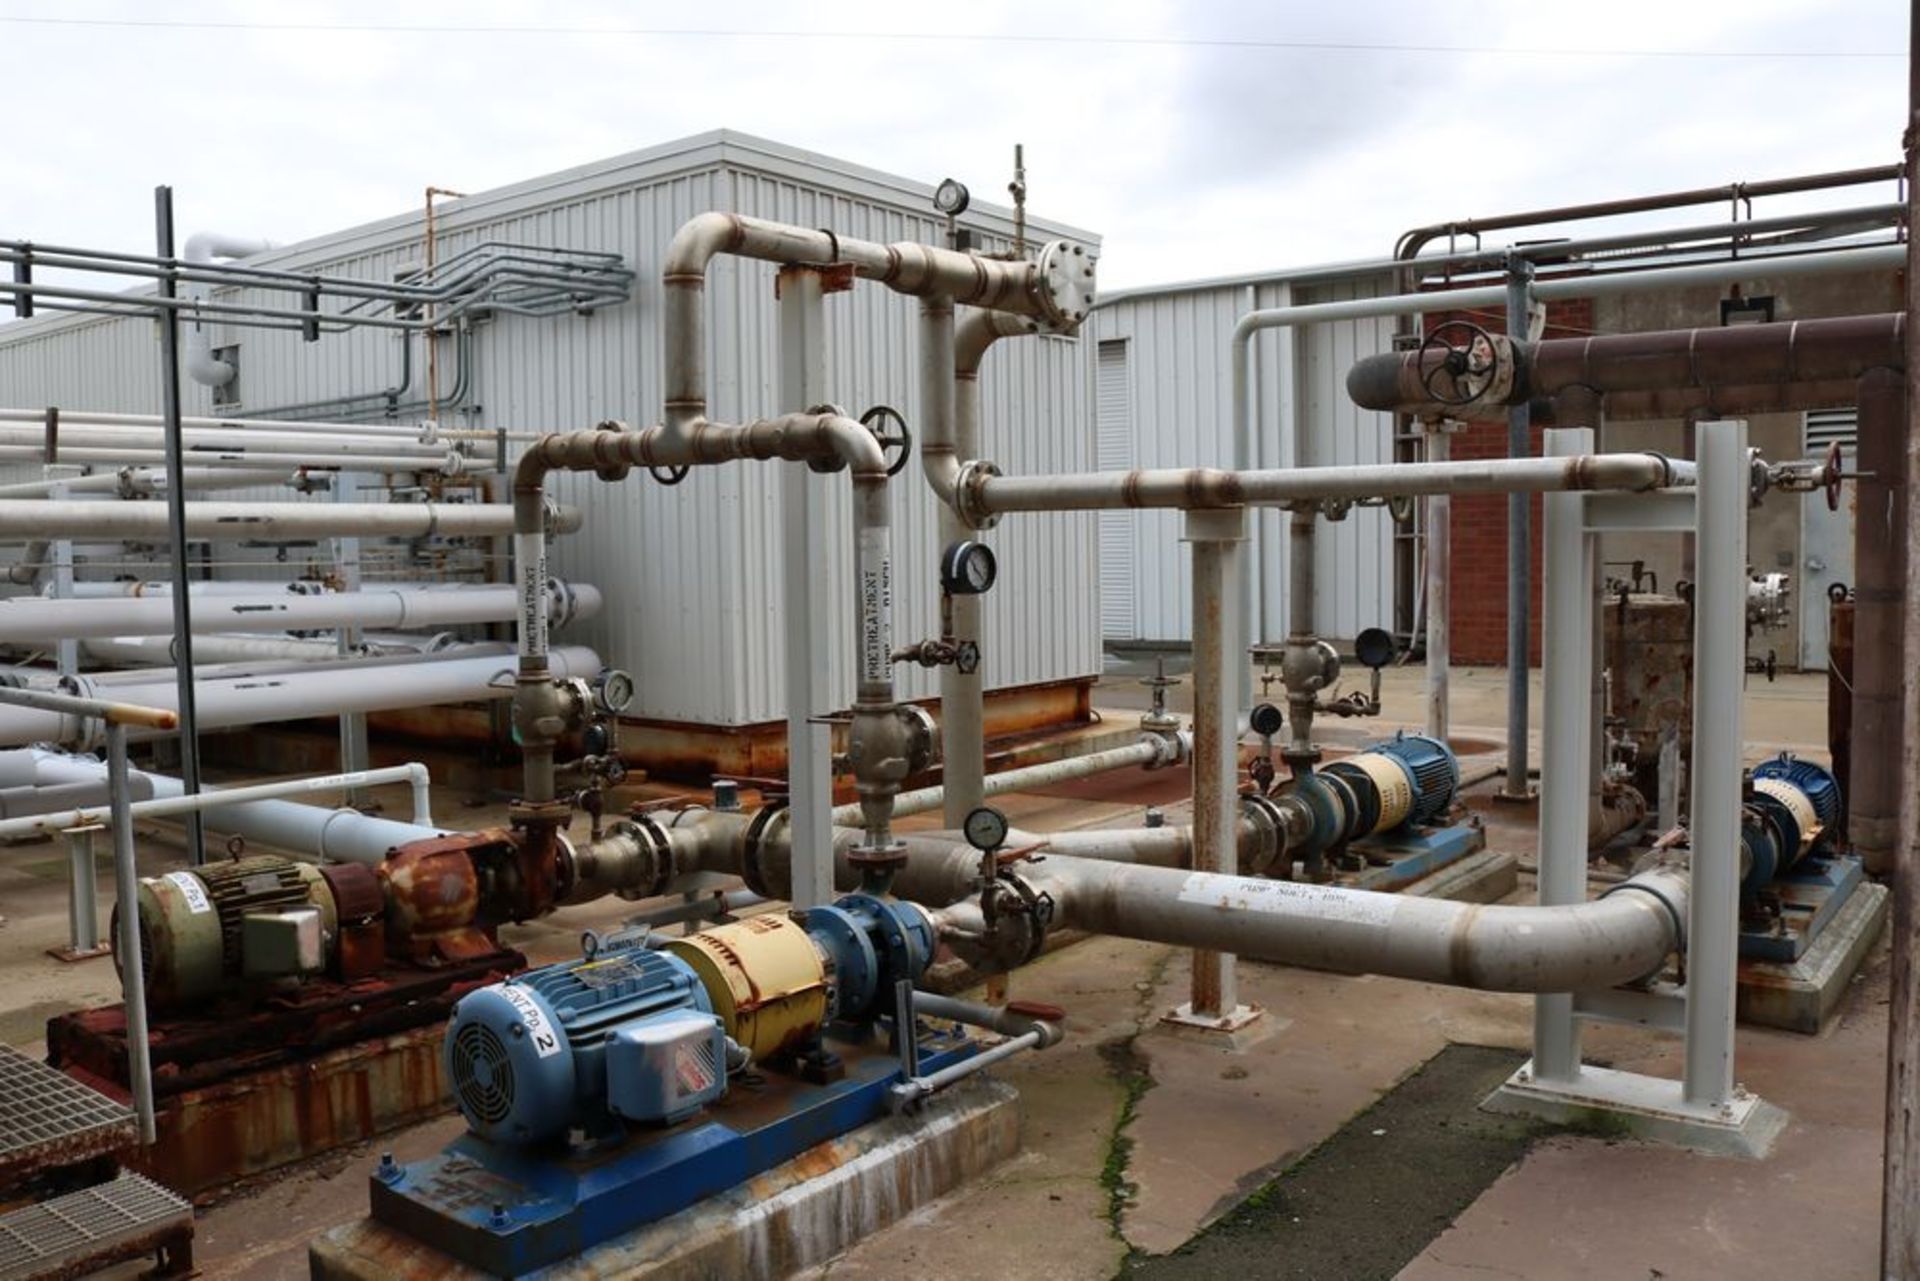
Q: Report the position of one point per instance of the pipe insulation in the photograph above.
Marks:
(248, 699)
(24, 519)
(219, 648)
(41, 619)
(205, 247)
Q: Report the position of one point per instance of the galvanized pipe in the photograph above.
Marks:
(1202, 487)
(1439, 573)
(40, 618)
(1519, 550)
(126, 874)
(146, 522)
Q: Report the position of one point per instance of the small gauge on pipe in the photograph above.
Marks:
(951, 198)
(985, 828)
(967, 568)
(1265, 719)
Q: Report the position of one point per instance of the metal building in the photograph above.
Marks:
(689, 573)
(1164, 399)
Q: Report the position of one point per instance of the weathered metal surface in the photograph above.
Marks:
(1804, 995)
(1879, 593)
(83, 1232)
(1840, 701)
(1648, 640)
(359, 910)
(48, 1120)
(433, 894)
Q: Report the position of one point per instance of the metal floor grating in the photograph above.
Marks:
(121, 1218)
(48, 1118)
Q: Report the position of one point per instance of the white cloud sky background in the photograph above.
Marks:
(1191, 159)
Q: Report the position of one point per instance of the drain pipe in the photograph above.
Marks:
(202, 248)
(1024, 1031)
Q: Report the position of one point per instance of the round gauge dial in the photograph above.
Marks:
(951, 198)
(1265, 719)
(985, 828)
(613, 691)
(968, 568)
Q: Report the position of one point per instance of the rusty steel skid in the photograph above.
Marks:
(223, 1041)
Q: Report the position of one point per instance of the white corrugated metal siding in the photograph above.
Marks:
(1114, 451)
(1179, 378)
(688, 573)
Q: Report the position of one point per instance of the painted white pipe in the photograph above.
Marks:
(22, 519)
(339, 835)
(248, 699)
(158, 651)
(217, 800)
(205, 247)
(120, 587)
(423, 432)
(147, 482)
(209, 438)
(450, 464)
(41, 619)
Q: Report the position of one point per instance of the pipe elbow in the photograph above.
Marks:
(699, 241)
(979, 330)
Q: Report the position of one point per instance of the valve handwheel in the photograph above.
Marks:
(890, 429)
(1833, 476)
(1469, 364)
(669, 475)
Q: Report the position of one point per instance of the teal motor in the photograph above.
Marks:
(624, 1033)
(1790, 815)
(1408, 780)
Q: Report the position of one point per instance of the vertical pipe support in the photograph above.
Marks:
(1873, 784)
(354, 752)
(169, 321)
(1439, 572)
(1719, 644)
(1519, 550)
(83, 889)
(1217, 536)
(1568, 636)
(804, 556)
(133, 990)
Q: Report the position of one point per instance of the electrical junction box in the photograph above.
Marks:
(665, 1068)
(283, 944)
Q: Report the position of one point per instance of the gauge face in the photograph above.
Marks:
(985, 828)
(1265, 719)
(967, 568)
(1373, 647)
(951, 198)
(616, 691)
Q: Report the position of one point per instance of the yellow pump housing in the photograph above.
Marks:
(765, 978)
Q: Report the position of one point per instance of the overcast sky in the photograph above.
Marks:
(1198, 138)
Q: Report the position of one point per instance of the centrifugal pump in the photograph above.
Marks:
(633, 1032)
(1789, 815)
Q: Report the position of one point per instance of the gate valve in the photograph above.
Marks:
(1466, 354)
(890, 430)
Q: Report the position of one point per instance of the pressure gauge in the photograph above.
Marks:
(951, 198)
(985, 829)
(612, 691)
(967, 568)
(1265, 719)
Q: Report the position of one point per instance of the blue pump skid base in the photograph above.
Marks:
(556, 1203)
(1810, 895)
(1398, 859)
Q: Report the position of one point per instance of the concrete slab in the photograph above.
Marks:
(790, 1218)
(1801, 996)
(1636, 1106)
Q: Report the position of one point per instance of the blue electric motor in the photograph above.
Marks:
(1407, 780)
(1790, 815)
(624, 1034)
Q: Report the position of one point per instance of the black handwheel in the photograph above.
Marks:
(1474, 358)
(1833, 477)
(1837, 592)
(669, 475)
(890, 429)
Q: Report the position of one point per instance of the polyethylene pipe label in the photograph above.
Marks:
(191, 890)
(530, 553)
(876, 606)
(1288, 898)
(545, 1040)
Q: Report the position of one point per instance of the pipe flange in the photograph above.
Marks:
(752, 845)
(966, 493)
(1063, 285)
(645, 831)
(1267, 820)
(612, 472)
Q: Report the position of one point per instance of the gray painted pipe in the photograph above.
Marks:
(41, 618)
(206, 247)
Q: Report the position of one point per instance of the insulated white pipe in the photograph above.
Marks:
(146, 482)
(22, 519)
(195, 438)
(158, 651)
(40, 618)
(423, 433)
(248, 699)
(447, 464)
(205, 247)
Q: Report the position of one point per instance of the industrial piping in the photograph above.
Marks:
(201, 248)
(26, 519)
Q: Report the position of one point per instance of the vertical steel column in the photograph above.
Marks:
(169, 320)
(1719, 672)
(963, 715)
(1439, 545)
(127, 893)
(1568, 639)
(1216, 537)
(804, 556)
(83, 904)
(1879, 587)
(1519, 550)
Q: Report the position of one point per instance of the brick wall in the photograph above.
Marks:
(1480, 521)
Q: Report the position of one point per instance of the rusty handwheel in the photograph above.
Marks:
(1469, 365)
